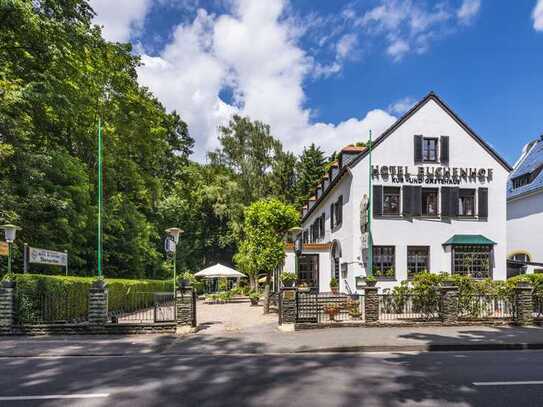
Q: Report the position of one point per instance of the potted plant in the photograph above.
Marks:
(303, 287)
(9, 280)
(331, 310)
(371, 281)
(288, 279)
(334, 285)
(353, 308)
(254, 297)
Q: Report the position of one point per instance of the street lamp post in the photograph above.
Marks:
(10, 231)
(174, 234)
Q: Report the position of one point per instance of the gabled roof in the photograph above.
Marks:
(450, 112)
(398, 123)
(529, 164)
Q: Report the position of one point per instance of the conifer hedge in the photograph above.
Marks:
(43, 298)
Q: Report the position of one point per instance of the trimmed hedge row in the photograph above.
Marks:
(43, 298)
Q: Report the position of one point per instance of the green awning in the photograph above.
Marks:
(466, 240)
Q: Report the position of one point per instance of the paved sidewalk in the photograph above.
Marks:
(265, 339)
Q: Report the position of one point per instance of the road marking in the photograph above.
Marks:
(527, 382)
(56, 396)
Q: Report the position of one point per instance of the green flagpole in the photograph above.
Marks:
(100, 198)
(369, 272)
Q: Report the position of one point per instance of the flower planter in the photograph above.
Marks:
(334, 290)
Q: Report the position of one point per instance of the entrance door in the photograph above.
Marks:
(309, 270)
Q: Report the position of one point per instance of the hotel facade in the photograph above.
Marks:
(438, 204)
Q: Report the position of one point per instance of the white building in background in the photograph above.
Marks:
(438, 203)
(525, 211)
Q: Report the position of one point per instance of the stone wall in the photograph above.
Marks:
(449, 304)
(371, 304)
(98, 304)
(524, 304)
(7, 305)
(185, 315)
(288, 306)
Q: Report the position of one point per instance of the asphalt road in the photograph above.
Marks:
(486, 378)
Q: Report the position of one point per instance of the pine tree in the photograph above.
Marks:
(310, 169)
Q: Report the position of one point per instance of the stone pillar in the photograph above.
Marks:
(98, 303)
(185, 307)
(449, 303)
(7, 305)
(523, 304)
(288, 308)
(371, 304)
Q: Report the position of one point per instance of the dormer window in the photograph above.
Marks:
(527, 178)
(521, 181)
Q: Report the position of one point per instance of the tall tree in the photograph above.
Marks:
(262, 249)
(310, 169)
(249, 150)
(57, 77)
(283, 177)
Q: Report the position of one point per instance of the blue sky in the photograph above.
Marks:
(327, 71)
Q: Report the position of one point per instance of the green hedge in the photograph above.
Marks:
(425, 293)
(43, 298)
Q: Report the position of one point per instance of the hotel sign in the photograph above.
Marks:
(430, 174)
(50, 257)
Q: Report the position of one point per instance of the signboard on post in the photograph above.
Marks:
(43, 256)
(169, 245)
(4, 249)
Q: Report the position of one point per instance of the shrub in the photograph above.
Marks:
(196, 284)
(426, 295)
(61, 298)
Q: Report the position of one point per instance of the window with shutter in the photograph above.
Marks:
(377, 200)
(332, 217)
(416, 200)
(340, 210)
(429, 201)
(323, 223)
(445, 201)
(454, 204)
(407, 202)
(483, 202)
(418, 149)
(444, 150)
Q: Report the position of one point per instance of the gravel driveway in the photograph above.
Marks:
(232, 317)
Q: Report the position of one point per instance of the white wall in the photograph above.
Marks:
(525, 226)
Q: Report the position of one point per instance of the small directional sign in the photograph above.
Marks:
(4, 249)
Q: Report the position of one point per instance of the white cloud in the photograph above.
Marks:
(252, 51)
(537, 15)
(120, 18)
(346, 45)
(401, 106)
(398, 49)
(468, 10)
(407, 26)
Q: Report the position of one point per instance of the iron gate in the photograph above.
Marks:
(307, 307)
(145, 307)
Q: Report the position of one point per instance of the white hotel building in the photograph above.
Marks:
(525, 211)
(438, 204)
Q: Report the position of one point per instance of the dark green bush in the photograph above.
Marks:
(59, 298)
